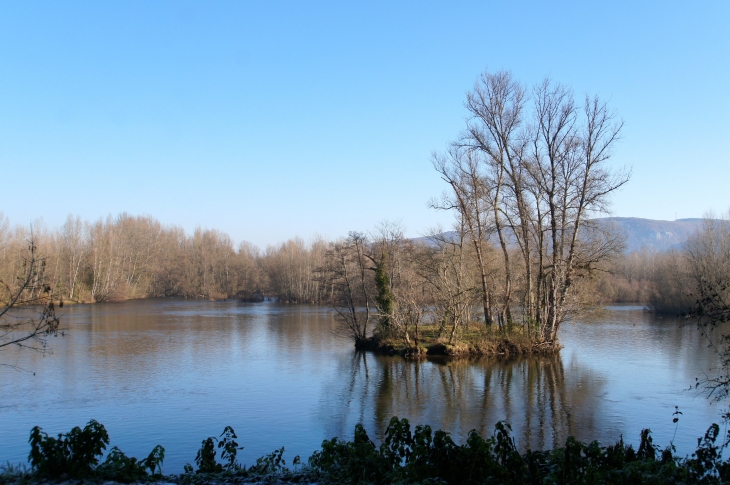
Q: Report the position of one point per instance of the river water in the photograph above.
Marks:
(174, 372)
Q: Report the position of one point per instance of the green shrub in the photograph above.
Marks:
(77, 453)
(418, 457)
(120, 467)
(271, 464)
(205, 458)
(426, 457)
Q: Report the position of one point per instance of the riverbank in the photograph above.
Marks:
(474, 340)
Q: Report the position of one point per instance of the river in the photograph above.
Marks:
(173, 372)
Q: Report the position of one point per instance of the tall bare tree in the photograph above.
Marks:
(571, 183)
(533, 179)
(74, 250)
(463, 171)
(348, 273)
(495, 130)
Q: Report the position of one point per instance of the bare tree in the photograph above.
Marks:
(249, 276)
(533, 180)
(19, 325)
(708, 253)
(290, 268)
(348, 274)
(571, 183)
(443, 267)
(74, 248)
(462, 170)
(495, 130)
(402, 299)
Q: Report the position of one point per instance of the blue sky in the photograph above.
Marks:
(269, 120)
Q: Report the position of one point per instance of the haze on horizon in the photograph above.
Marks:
(268, 121)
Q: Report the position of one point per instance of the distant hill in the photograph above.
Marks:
(640, 233)
(652, 234)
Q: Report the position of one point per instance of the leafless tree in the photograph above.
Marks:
(708, 255)
(20, 325)
(74, 250)
(533, 180)
(291, 270)
(443, 266)
(495, 130)
(571, 183)
(461, 169)
(402, 299)
(348, 273)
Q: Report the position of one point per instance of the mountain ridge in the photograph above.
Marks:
(641, 234)
(654, 234)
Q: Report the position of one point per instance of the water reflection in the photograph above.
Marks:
(543, 403)
(174, 372)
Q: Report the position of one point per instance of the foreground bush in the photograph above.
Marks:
(77, 454)
(405, 456)
(427, 457)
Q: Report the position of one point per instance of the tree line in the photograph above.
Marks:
(671, 282)
(380, 280)
(127, 257)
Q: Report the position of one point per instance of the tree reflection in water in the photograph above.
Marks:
(543, 403)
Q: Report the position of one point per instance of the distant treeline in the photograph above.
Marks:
(671, 282)
(127, 257)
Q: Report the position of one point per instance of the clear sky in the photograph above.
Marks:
(269, 120)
